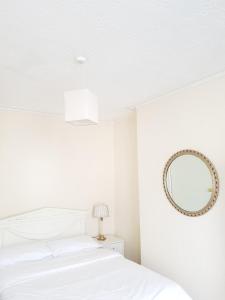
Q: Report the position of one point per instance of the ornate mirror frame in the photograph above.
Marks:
(215, 183)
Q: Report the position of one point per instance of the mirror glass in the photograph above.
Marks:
(189, 182)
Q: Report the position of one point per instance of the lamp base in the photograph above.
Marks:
(101, 237)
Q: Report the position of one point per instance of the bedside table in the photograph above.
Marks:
(114, 243)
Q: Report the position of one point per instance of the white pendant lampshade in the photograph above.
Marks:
(81, 107)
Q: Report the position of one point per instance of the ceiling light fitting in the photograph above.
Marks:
(81, 105)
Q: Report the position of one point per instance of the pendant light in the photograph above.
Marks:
(81, 105)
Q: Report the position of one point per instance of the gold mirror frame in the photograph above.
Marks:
(215, 183)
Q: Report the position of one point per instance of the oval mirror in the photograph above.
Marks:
(191, 182)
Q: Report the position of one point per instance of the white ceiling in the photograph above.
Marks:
(136, 49)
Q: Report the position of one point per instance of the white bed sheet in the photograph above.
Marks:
(96, 274)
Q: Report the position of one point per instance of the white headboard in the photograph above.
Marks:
(42, 224)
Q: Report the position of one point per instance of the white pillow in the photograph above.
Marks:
(23, 252)
(72, 245)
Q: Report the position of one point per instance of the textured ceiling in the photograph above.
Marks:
(136, 49)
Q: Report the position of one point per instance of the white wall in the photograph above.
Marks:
(46, 162)
(126, 188)
(189, 250)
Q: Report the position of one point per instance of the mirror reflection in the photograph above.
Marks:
(189, 182)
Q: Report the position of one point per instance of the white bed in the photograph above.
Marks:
(93, 273)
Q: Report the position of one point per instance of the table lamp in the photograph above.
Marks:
(100, 211)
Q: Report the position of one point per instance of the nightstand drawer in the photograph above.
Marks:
(114, 243)
(118, 247)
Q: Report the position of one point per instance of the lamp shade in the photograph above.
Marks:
(81, 107)
(100, 211)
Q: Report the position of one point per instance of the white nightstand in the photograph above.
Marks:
(113, 242)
